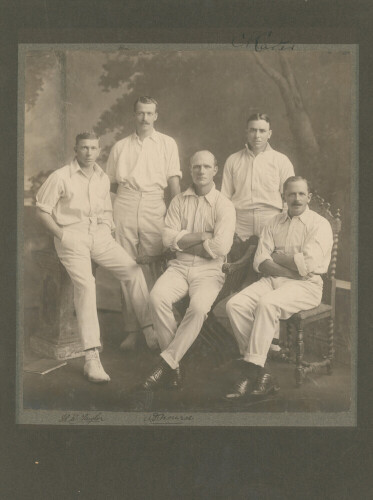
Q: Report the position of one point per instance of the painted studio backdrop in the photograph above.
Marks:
(204, 99)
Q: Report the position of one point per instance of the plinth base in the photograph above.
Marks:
(52, 350)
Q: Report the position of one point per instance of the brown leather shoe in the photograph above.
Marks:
(240, 389)
(265, 384)
(161, 374)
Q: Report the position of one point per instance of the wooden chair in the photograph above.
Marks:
(325, 311)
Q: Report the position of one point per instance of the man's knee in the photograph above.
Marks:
(158, 298)
(231, 306)
(266, 303)
(199, 307)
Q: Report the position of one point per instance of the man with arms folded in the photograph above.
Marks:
(140, 167)
(199, 226)
(74, 204)
(294, 250)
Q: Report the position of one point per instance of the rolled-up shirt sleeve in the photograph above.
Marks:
(266, 247)
(173, 164)
(172, 231)
(316, 252)
(225, 224)
(49, 193)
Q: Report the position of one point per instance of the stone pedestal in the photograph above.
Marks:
(57, 335)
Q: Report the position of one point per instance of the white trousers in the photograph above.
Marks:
(255, 312)
(81, 243)
(203, 284)
(251, 222)
(139, 220)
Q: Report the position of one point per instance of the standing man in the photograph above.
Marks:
(74, 204)
(294, 249)
(199, 226)
(141, 166)
(253, 178)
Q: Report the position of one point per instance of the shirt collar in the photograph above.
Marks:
(267, 148)
(210, 196)
(303, 217)
(75, 167)
(154, 136)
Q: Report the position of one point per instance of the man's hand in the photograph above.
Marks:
(198, 250)
(190, 240)
(269, 268)
(207, 235)
(284, 260)
(49, 223)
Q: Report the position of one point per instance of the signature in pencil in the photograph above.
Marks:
(261, 42)
(81, 418)
(163, 418)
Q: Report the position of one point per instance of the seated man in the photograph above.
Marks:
(294, 249)
(74, 204)
(199, 226)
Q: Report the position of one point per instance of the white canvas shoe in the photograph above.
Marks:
(93, 368)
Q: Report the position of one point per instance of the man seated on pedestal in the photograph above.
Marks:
(294, 250)
(199, 226)
(74, 204)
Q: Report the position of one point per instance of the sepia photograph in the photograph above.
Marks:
(187, 229)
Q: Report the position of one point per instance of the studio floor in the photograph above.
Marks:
(205, 384)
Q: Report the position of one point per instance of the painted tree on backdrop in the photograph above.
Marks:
(157, 73)
(39, 66)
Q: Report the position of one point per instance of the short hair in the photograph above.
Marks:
(86, 135)
(259, 116)
(295, 178)
(145, 99)
(203, 151)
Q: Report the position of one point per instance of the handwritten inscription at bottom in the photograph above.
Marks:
(81, 418)
(163, 418)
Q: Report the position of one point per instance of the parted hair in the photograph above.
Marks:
(145, 99)
(295, 178)
(259, 116)
(88, 134)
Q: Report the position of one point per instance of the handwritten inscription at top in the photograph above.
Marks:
(261, 42)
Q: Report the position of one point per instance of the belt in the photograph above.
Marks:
(132, 193)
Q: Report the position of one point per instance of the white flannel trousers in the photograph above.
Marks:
(85, 241)
(139, 220)
(251, 222)
(255, 312)
(203, 284)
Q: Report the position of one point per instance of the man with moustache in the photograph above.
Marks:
(199, 226)
(74, 204)
(294, 250)
(140, 167)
